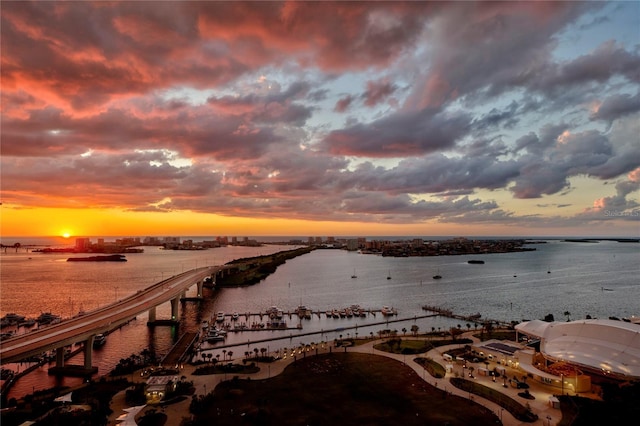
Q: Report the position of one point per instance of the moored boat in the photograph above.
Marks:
(29, 322)
(387, 311)
(13, 318)
(214, 336)
(99, 340)
(47, 318)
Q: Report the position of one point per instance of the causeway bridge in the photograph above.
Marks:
(84, 328)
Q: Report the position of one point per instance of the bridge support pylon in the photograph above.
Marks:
(153, 321)
(60, 357)
(88, 352)
(86, 370)
(175, 308)
(152, 315)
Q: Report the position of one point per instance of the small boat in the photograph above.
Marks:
(387, 311)
(220, 317)
(235, 316)
(213, 337)
(301, 311)
(99, 340)
(354, 274)
(276, 323)
(13, 318)
(389, 275)
(437, 276)
(272, 312)
(29, 322)
(219, 331)
(475, 316)
(475, 262)
(47, 318)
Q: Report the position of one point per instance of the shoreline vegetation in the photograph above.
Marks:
(249, 271)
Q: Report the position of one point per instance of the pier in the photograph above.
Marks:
(468, 318)
(179, 351)
(321, 332)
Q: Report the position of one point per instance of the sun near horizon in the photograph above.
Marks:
(70, 223)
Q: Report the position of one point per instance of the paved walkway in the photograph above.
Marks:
(547, 415)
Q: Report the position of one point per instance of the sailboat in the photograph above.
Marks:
(389, 275)
(354, 273)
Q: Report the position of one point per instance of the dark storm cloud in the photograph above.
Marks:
(400, 134)
(107, 99)
(616, 106)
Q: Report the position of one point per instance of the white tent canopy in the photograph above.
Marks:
(607, 345)
(64, 398)
(129, 416)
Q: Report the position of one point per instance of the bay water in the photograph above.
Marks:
(599, 279)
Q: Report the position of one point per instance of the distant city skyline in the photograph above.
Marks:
(320, 118)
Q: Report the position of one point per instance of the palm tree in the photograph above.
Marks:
(224, 354)
(468, 326)
(255, 350)
(230, 353)
(263, 351)
(414, 329)
(209, 356)
(404, 331)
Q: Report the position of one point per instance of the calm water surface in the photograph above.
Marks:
(597, 279)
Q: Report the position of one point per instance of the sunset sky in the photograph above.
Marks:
(318, 118)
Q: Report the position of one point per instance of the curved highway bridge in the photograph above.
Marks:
(86, 327)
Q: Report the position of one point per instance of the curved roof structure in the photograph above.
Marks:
(612, 347)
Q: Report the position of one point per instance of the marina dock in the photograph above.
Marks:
(476, 318)
(320, 332)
